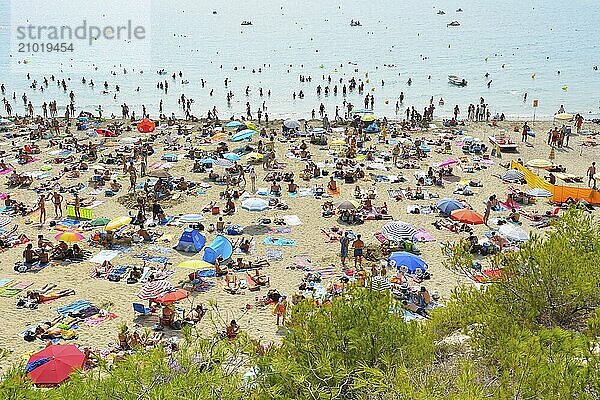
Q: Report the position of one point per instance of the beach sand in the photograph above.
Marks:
(256, 321)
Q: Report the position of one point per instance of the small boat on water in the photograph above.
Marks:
(504, 142)
(453, 23)
(246, 23)
(355, 23)
(457, 80)
(441, 12)
(459, 10)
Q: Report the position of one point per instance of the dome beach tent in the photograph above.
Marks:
(191, 241)
(220, 247)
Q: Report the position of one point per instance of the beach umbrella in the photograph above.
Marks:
(233, 124)
(54, 364)
(208, 160)
(117, 223)
(512, 175)
(380, 283)
(513, 232)
(255, 204)
(100, 222)
(159, 173)
(368, 118)
(243, 135)
(231, 157)
(173, 296)
(69, 236)
(146, 126)
(152, 290)
(105, 133)
(221, 162)
(347, 205)
(254, 155)
(318, 131)
(4, 121)
(398, 231)
(467, 216)
(563, 116)
(191, 218)
(538, 192)
(195, 264)
(447, 162)
(291, 124)
(399, 259)
(539, 163)
(218, 136)
(250, 125)
(448, 205)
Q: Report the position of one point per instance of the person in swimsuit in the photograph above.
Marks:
(358, 246)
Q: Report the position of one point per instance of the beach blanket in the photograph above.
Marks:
(14, 289)
(423, 236)
(99, 319)
(204, 286)
(280, 230)
(270, 240)
(6, 171)
(302, 262)
(325, 271)
(152, 258)
(74, 307)
(34, 267)
(104, 255)
(117, 273)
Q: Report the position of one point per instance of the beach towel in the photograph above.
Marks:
(6, 171)
(104, 255)
(423, 236)
(270, 240)
(325, 271)
(204, 286)
(117, 273)
(4, 282)
(280, 230)
(152, 258)
(98, 319)
(74, 307)
(5, 221)
(302, 262)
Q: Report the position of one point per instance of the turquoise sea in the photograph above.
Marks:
(522, 44)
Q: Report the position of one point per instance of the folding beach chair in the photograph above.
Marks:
(141, 309)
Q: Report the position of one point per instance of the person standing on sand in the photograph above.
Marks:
(524, 132)
(591, 172)
(252, 175)
(345, 243)
(77, 206)
(132, 177)
(488, 209)
(42, 208)
(57, 201)
(358, 246)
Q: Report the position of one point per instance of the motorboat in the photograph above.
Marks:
(457, 80)
(355, 23)
(504, 142)
(453, 23)
(441, 12)
(246, 23)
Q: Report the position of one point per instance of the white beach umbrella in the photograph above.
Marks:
(513, 232)
(255, 204)
(512, 175)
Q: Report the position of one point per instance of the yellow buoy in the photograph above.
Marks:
(532, 76)
(565, 87)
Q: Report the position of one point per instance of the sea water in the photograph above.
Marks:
(521, 44)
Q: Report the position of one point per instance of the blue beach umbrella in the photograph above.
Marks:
(242, 135)
(231, 157)
(233, 124)
(412, 262)
(448, 205)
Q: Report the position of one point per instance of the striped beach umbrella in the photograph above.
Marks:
(380, 283)
(69, 236)
(512, 175)
(398, 230)
(152, 290)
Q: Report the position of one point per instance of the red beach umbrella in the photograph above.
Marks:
(146, 126)
(173, 297)
(467, 216)
(54, 364)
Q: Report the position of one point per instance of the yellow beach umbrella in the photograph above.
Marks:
(250, 125)
(368, 118)
(218, 136)
(539, 163)
(563, 116)
(69, 236)
(195, 264)
(338, 142)
(117, 223)
(255, 155)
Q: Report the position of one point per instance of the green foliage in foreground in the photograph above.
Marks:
(532, 335)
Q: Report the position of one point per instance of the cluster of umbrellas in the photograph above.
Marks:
(163, 292)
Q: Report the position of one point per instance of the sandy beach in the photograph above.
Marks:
(259, 322)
